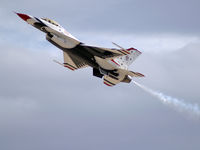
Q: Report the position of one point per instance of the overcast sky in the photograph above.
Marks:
(46, 106)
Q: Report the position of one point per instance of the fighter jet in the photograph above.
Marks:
(111, 64)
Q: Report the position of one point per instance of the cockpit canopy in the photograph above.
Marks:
(51, 21)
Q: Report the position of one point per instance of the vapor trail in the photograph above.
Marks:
(177, 103)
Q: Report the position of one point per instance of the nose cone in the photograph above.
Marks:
(23, 16)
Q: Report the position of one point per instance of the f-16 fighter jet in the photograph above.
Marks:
(109, 64)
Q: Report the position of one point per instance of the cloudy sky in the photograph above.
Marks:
(45, 106)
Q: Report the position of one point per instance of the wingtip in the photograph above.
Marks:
(140, 75)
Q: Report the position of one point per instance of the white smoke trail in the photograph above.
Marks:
(178, 104)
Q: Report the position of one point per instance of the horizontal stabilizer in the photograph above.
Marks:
(135, 74)
(109, 81)
(130, 73)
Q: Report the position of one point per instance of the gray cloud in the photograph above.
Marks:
(45, 106)
(180, 16)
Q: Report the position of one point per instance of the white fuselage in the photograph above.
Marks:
(111, 64)
(65, 40)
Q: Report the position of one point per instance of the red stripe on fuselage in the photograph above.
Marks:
(115, 62)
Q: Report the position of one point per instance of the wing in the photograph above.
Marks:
(109, 81)
(72, 62)
(105, 52)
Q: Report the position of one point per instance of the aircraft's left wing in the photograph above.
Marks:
(71, 62)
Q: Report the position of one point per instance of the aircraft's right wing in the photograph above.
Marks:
(106, 52)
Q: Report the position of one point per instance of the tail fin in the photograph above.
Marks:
(134, 53)
(129, 58)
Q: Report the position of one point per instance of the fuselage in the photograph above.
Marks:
(63, 40)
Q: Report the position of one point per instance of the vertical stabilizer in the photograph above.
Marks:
(130, 58)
